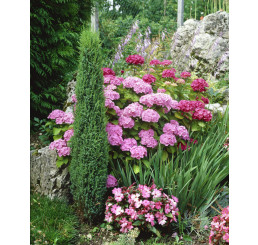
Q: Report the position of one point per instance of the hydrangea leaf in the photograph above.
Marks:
(178, 115)
(136, 169)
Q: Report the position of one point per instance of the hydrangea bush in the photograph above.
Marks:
(155, 106)
(142, 206)
(219, 233)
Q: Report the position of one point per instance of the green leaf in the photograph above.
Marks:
(56, 131)
(115, 155)
(59, 163)
(187, 238)
(57, 137)
(136, 169)
(115, 122)
(146, 163)
(164, 155)
(201, 124)
(137, 223)
(169, 215)
(195, 127)
(178, 115)
(154, 230)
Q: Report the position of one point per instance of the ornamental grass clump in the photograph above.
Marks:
(142, 206)
(88, 168)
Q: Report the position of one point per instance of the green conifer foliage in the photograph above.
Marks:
(88, 167)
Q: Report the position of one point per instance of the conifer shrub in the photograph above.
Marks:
(88, 167)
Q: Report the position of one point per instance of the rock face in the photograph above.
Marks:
(45, 177)
(203, 46)
(70, 90)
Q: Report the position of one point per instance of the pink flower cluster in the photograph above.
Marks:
(155, 62)
(138, 85)
(148, 78)
(159, 99)
(128, 144)
(126, 122)
(148, 205)
(220, 228)
(166, 62)
(74, 99)
(147, 138)
(61, 147)
(185, 74)
(111, 181)
(190, 105)
(68, 134)
(150, 115)
(133, 110)
(109, 79)
(138, 152)
(202, 114)
(199, 85)
(161, 90)
(111, 94)
(171, 130)
(115, 133)
(135, 59)
(168, 73)
(108, 71)
(61, 117)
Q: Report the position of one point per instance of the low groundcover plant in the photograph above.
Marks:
(142, 206)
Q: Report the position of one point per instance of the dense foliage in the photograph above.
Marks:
(54, 30)
(88, 167)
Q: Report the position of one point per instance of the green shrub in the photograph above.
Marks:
(54, 31)
(52, 221)
(88, 167)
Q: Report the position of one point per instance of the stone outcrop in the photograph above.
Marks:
(203, 46)
(70, 90)
(45, 177)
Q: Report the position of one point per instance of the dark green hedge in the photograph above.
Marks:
(88, 167)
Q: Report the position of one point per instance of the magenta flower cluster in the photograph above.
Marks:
(108, 71)
(199, 85)
(185, 74)
(135, 59)
(163, 63)
(168, 73)
(61, 147)
(147, 138)
(220, 228)
(148, 78)
(61, 117)
(111, 181)
(147, 205)
(202, 114)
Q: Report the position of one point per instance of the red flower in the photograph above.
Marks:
(135, 59)
(108, 71)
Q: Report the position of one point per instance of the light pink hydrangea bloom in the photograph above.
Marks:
(128, 144)
(167, 139)
(133, 110)
(126, 122)
(150, 115)
(68, 134)
(138, 152)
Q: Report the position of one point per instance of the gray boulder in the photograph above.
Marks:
(202, 46)
(45, 177)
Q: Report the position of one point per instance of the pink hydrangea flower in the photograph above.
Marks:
(111, 181)
(126, 122)
(167, 139)
(133, 110)
(146, 133)
(112, 95)
(170, 128)
(129, 82)
(161, 90)
(155, 62)
(202, 114)
(166, 62)
(109, 217)
(182, 132)
(65, 151)
(205, 100)
(149, 142)
(168, 73)
(148, 78)
(57, 144)
(108, 71)
(115, 139)
(199, 85)
(68, 134)
(138, 152)
(128, 144)
(116, 129)
(180, 81)
(74, 99)
(135, 59)
(110, 87)
(109, 103)
(185, 74)
(150, 115)
(109, 79)
(142, 87)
